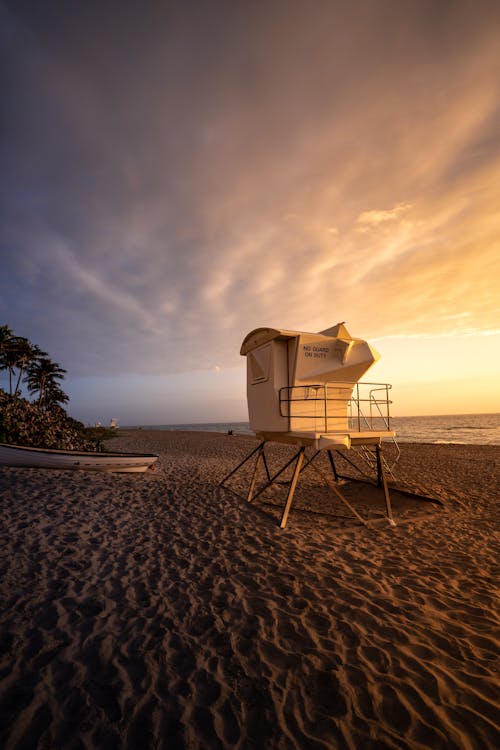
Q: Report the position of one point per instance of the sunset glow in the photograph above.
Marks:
(175, 179)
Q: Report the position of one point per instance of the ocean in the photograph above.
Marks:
(466, 429)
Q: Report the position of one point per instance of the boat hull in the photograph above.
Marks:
(46, 458)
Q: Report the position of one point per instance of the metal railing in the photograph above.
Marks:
(362, 407)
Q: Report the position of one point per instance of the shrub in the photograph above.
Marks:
(24, 423)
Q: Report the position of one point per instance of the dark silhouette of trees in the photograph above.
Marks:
(42, 378)
(26, 363)
(41, 422)
(17, 355)
(6, 359)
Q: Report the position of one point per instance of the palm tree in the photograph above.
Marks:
(16, 353)
(42, 376)
(6, 336)
(54, 396)
(27, 353)
(9, 362)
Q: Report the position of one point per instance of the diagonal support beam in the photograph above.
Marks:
(279, 473)
(265, 463)
(354, 465)
(332, 464)
(383, 481)
(259, 448)
(341, 497)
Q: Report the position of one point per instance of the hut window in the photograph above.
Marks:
(259, 362)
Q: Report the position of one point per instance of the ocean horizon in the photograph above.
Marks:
(464, 429)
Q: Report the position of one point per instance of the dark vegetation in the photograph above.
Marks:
(38, 419)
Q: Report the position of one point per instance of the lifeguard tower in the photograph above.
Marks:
(304, 389)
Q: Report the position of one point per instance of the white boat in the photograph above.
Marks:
(47, 458)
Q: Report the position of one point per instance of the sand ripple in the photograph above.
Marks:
(156, 611)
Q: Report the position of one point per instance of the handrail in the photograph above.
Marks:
(385, 387)
(356, 395)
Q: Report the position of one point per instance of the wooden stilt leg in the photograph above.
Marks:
(291, 490)
(382, 480)
(254, 475)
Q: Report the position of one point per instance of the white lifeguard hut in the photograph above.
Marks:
(304, 389)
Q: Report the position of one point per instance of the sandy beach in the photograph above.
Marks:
(158, 611)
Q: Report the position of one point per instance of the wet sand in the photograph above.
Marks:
(157, 611)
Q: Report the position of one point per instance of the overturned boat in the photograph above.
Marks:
(48, 458)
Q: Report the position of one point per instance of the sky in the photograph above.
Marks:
(176, 174)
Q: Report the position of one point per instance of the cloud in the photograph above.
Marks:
(175, 179)
(376, 217)
(91, 285)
